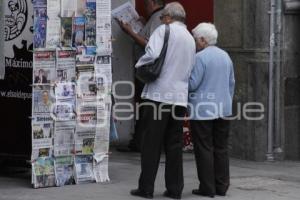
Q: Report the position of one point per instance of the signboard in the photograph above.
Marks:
(15, 89)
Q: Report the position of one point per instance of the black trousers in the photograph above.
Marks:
(135, 142)
(167, 132)
(210, 140)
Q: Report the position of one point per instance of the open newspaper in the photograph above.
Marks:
(126, 13)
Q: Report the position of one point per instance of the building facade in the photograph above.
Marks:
(245, 32)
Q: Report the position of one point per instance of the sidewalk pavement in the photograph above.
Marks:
(249, 181)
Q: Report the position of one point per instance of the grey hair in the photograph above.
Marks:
(176, 11)
(207, 31)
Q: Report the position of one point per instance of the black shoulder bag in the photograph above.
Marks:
(150, 72)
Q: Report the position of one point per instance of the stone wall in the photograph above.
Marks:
(291, 85)
(244, 33)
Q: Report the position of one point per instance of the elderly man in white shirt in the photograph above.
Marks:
(166, 101)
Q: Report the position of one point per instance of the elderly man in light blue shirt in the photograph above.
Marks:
(211, 87)
(166, 100)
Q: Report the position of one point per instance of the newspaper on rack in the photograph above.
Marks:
(85, 56)
(43, 172)
(65, 64)
(64, 170)
(103, 8)
(86, 86)
(42, 136)
(104, 38)
(53, 24)
(42, 100)
(68, 8)
(40, 23)
(127, 14)
(44, 67)
(65, 106)
(78, 31)
(86, 114)
(103, 111)
(100, 166)
(103, 74)
(65, 91)
(72, 8)
(90, 27)
(103, 24)
(64, 138)
(64, 111)
(42, 152)
(66, 31)
(101, 144)
(84, 140)
(86, 128)
(84, 169)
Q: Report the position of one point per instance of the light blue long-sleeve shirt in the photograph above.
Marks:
(211, 85)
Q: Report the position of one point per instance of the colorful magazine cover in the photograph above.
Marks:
(78, 31)
(64, 170)
(66, 31)
(43, 172)
(90, 29)
(39, 3)
(85, 56)
(40, 26)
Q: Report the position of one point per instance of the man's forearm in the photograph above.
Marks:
(139, 39)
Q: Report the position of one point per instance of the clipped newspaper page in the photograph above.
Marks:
(44, 67)
(43, 172)
(64, 170)
(84, 169)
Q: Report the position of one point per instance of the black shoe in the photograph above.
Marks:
(222, 194)
(140, 193)
(172, 196)
(200, 193)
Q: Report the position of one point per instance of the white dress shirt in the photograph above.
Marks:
(171, 87)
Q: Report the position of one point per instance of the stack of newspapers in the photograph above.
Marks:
(72, 81)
